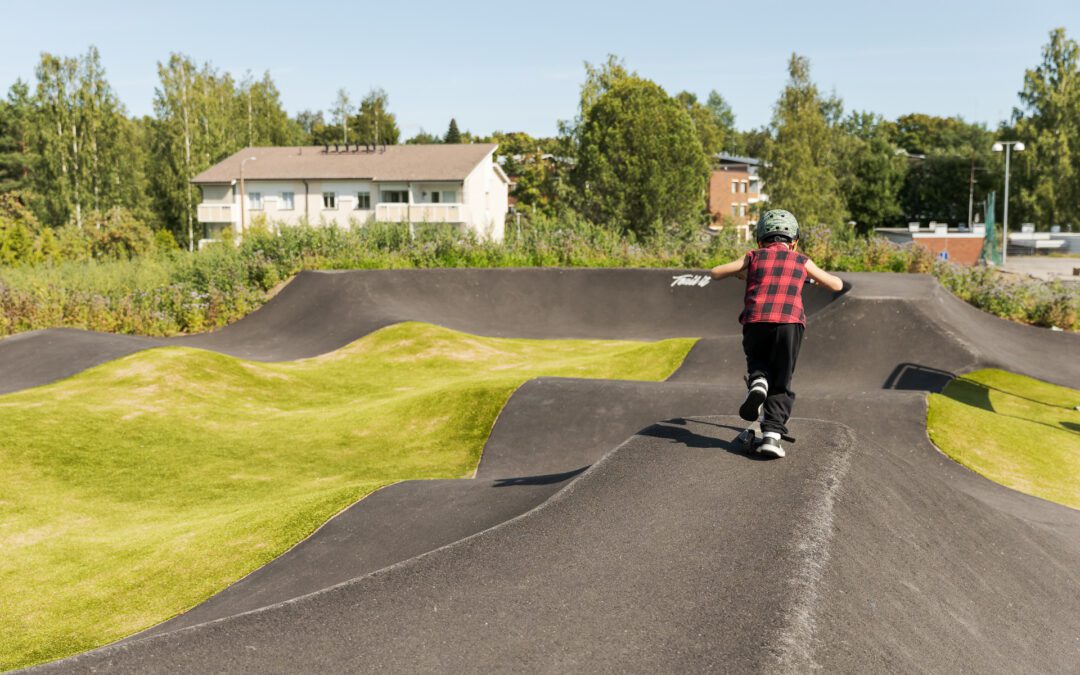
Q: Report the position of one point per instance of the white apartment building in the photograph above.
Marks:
(352, 185)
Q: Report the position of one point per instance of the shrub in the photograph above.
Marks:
(177, 292)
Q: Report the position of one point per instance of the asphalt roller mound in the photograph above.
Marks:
(318, 312)
(923, 566)
(678, 551)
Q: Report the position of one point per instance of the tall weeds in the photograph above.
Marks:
(175, 292)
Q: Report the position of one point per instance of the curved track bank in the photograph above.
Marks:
(577, 549)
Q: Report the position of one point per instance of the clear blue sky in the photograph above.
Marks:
(517, 65)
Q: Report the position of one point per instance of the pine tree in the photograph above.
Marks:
(800, 170)
(453, 135)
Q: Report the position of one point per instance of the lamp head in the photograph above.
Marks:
(1018, 146)
(997, 147)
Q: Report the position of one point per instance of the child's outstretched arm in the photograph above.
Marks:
(735, 267)
(829, 281)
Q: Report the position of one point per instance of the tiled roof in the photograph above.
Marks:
(390, 163)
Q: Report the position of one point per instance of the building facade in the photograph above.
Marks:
(735, 193)
(960, 245)
(349, 186)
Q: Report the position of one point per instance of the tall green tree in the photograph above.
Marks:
(870, 171)
(262, 116)
(640, 166)
(374, 123)
(453, 134)
(78, 134)
(195, 126)
(709, 131)
(599, 79)
(724, 118)
(1048, 122)
(424, 138)
(800, 173)
(341, 113)
(314, 129)
(530, 164)
(942, 152)
(15, 155)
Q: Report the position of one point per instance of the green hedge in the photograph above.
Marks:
(174, 292)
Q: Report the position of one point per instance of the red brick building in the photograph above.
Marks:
(735, 193)
(959, 245)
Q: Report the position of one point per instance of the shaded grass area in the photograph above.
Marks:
(139, 488)
(1015, 430)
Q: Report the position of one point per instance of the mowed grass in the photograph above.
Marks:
(137, 489)
(1015, 430)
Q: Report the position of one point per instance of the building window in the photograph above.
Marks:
(363, 201)
(435, 197)
(449, 196)
(395, 197)
(742, 210)
(329, 200)
(735, 210)
(745, 186)
(288, 201)
(254, 200)
(734, 186)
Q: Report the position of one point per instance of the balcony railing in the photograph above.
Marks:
(218, 213)
(420, 213)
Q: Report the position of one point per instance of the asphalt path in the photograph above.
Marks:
(577, 549)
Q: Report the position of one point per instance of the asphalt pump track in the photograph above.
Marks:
(615, 526)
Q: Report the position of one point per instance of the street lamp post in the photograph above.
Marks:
(998, 147)
(243, 194)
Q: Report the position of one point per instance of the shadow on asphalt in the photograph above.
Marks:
(546, 479)
(913, 377)
(675, 430)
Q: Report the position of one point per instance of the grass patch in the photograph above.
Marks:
(139, 488)
(1015, 430)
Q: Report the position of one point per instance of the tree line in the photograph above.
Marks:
(633, 157)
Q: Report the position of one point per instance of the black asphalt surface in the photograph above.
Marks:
(864, 549)
(322, 311)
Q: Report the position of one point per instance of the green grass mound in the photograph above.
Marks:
(1017, 431)
(139, 488)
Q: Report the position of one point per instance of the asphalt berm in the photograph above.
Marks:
(614, 526)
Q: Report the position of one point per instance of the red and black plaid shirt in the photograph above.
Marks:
(774, 284)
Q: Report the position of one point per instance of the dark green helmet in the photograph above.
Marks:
(777, 221)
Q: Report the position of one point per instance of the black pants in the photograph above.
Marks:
(771, 351)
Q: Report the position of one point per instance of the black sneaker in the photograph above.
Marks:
(770, 445)
(750, 410)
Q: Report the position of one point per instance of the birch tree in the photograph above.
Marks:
(374, 123)
(77, 133)
(265, 120)
(194, 129)
(342, 110)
